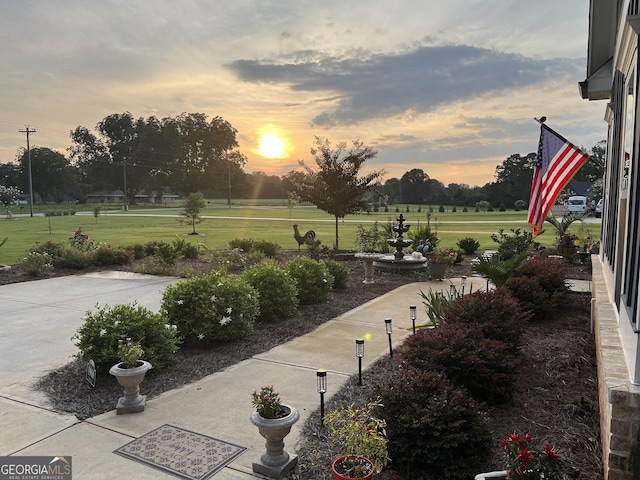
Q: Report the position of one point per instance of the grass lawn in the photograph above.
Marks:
(271, 222)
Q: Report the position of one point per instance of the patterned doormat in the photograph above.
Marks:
(185, 454)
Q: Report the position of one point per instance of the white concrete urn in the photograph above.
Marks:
(275, 462)
(130, 379)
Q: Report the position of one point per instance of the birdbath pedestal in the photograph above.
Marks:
(368, 264)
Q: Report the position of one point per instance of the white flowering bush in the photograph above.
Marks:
(38, 264)
(212, 308)
(103, 328)
(313, 279)
(278, 291)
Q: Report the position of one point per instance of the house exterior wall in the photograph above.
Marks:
(613, 38)
(619, 398)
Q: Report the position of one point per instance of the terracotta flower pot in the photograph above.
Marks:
(566, 249)
(437, 270)
(340, 471)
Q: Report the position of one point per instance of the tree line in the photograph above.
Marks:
(192, 153)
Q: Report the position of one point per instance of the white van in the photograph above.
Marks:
(577, 204)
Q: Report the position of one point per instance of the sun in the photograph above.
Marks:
(271, 146)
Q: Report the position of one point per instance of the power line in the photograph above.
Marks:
(29, 131)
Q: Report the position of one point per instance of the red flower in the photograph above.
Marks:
(551, 453)
(504, 443)
(525, 457)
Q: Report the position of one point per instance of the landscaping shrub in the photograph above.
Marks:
(73, 258)
(441, 209)
(268, 248)
(483, 366)
(498, 314)
(54, 249)
(150, 248)
(434, 429)
(510, 245)
(229, 259)
(313, 280)
(540, 285)
(316, 251)
(339, 272)
(165, 254)
(245, 244)
(81, 241)
(468, 245)
(98, 336)
(38, 264)
(531, 296)
(550, 273)
(211, 308)
(190, 251)
(104, 255)
(138, 251)
(278, 291)
(178, 244)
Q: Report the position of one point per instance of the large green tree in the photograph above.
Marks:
(197, 152)
(335, 186)
(54, 179)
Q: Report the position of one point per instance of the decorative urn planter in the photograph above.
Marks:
(275, 462)
(130, 379)
(340, 470)
(437, 270)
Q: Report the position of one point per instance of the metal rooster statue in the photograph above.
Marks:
(301, 239)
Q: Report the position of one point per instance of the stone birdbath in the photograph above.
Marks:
(368, 258)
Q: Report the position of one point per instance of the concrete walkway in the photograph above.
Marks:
(40, 317)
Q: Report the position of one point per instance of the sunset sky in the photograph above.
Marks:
(451, 87)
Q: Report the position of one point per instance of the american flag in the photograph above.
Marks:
(557, 162)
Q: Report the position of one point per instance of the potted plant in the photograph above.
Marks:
(441, 260)
(363, 438)
(526, 462)
(567, 244)
(274, 421)
(130, 372)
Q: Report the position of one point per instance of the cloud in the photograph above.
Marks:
(372, 85)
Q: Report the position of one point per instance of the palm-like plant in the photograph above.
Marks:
(562, 226)
(497, 270)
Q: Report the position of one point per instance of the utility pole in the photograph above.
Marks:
(29, 131)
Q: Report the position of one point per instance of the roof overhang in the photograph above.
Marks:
(598, 85)
(603, 25)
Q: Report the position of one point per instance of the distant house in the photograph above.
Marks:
(579, 188)
(612, 76)
(115, 196)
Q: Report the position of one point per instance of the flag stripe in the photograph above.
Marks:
(558, 161)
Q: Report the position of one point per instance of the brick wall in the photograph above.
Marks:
(619, 398)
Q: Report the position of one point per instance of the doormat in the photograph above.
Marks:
(185, 454)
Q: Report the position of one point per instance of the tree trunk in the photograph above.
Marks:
(336, 232)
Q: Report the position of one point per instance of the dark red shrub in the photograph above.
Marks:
(499, 315)
(531, 296)
(434, 429)
(481, 365)
(550, 273)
